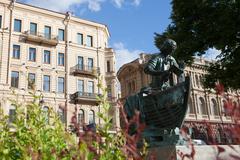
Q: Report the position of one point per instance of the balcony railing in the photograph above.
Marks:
(110, 74)
(80, 97)
(112, 99)
(41, 38)
(84, 70)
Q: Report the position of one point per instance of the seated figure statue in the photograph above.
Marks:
(161, 67)
(163, 104)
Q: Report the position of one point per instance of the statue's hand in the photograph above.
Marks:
(165, 75)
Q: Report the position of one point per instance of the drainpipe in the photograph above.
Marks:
(11, 8)
(66, 23)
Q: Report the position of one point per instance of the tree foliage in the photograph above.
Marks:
(198, 25)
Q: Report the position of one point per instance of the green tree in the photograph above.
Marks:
(198, 25)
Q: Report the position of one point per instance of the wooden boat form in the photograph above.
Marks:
(161, 111)
(166, 109)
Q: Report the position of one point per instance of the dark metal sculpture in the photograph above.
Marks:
(162, 105)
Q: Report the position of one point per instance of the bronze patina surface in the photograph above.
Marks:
(162, 104)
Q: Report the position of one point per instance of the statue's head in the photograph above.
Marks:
(168, 46)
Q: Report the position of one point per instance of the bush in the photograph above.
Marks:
(37, 134)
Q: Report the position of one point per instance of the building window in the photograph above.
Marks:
(17, 25)
(16, 52)
(12, 113)
(61, 115)
(61, 59)
(32, 54)
(33, 28)
(46, 57)
(31, 80)
(91, 117)
(109, 90)
(80, 87)
(60, 84)
(46, 83)
(224, 108)
(0, 21)
(46, 113)
(90, 87)
(80, 38)
(47, 32)
(80, 63)
(214, 107)
(90, 64)
(190, 106)
(60, 34)
(14, 79)
(202, 106)
(81, 117)
(108, 66)
(197, 81)
(89, 41)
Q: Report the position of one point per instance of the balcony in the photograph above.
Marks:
(41, 38)
(112, 99)
(110, 74)
(83, 70)
(84, 97)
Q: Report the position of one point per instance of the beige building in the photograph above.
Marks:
(203, 105)
(63, 57)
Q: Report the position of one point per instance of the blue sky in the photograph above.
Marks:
(131, 23)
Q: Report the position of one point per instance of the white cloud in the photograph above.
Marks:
(60, 5)
(118, 3)
(136, 2)
(212, 53)
(64, 5)
(124, 55)
(94, 5)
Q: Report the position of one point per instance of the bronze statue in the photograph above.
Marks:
(162, 104)
(162, 65)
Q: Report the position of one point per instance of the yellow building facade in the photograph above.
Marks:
(60, 56)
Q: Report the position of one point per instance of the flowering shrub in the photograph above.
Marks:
(36, 134)
(230, 109)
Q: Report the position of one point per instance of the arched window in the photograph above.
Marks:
(91, 117)
(202, 106)
(46, 114)
(235, 104)
(133, 86)
(214, 107)
(224, 102)
(81, 117)
(197, 81)
(61, 115)
(190, 106)
(12, 113)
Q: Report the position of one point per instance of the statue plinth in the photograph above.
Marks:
(162, 153)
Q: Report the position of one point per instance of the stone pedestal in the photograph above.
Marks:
(162, 153)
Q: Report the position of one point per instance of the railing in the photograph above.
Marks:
(41, 37)
(112, 99)
(84, 95)
(110, 74)
(81, 97)
(84, 70)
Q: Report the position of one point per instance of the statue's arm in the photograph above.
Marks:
(175, 68)
(150, 68)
